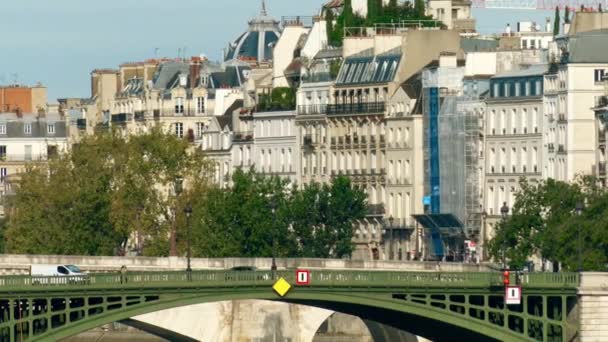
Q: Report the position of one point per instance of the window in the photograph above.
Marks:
(598, 75)
(62, 270)
(179, 105)
(517, 89)
(3, 128)
(28, 152)
(506, 89)
(27, 128)
(527, 88)
(200, 105)
(524, 44)
(496, 85)
(200, 128)
(50, 128)
(2, 151)
(179, 129)
(538, 88)
(3, 173)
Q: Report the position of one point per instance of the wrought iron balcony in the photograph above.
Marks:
(356, 108)
(121, 118)
(312, 109)
(375, 209)
(308, 140)
(561, 149)
(242, 136)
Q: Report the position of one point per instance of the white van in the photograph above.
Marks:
(57, 274)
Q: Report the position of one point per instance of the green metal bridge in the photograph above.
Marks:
(437, 305)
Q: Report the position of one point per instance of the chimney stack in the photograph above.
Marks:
(195, 70)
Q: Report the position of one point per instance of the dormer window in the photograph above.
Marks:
(27, 128)
(50, 128)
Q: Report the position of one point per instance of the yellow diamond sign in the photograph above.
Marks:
(281, 287)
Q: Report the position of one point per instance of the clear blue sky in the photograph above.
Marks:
(58, 42)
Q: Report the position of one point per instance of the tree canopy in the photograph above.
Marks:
(261, 216)
(545, 222)
(377, 13)
(95, 199)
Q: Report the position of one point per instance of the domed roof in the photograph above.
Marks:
(257, 42)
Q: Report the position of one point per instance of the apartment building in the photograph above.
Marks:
(27, 138)
(577, 89)
(514, 138)
(21, 98)
(601, 115)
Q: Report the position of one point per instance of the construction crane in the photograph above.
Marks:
(588, 5)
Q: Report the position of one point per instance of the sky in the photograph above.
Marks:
(59, 42)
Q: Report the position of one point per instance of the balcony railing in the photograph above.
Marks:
(561, 149)
(312, 109)
(561, 118)
(356, 108)
(242, 136)
(23, 157)
(308, 140)
(121, 118)
(601, 136)
(375, 210)
(551, 147)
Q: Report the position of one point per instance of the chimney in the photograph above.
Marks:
(18, 112)
(195, 70)
(548, 27)
(508, 30)
(41, 113)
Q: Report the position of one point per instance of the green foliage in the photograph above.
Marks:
(376, 14)
(281, 98)
(566, 16)
(315, 221)
(419, 8)
(93, 200)
(334, 68)
(544, 222)
(556, 22)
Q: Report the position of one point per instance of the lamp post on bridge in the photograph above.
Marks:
(579, 209)
(188, 213)
(504, 211)
(177, 189)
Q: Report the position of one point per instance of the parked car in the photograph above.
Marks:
(234, 273)
(57, 275)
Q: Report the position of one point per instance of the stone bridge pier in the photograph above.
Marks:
(593, 301)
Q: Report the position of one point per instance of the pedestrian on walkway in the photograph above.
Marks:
(123, 274)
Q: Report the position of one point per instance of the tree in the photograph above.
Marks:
(348, 14)
(372, 11)
(419, 8)
(566, 16)
(323, 218)
(392, 8)
(556, 23)
(329, 25)
(544, 223)
(98, 198)
(599, 8)
(315, 221)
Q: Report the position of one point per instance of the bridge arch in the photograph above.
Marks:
(425, 321)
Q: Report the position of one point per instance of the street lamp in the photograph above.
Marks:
(391, 242)
(579, 209)
(177, 189)
(504, 211)
(188, 213)
(273, 206)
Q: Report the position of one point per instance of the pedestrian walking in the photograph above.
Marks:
(123, 274)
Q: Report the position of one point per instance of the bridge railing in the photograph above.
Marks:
(323, 278)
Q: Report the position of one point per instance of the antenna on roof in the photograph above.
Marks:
(263, 12)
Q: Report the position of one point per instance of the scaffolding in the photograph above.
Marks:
(457, 177)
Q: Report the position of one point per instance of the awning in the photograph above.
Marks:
(444, 223)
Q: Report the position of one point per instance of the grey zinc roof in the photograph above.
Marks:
(329, 54)
(478, 45)
(365, 69)
(166, 73)
(589, 47)
(533, 70)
